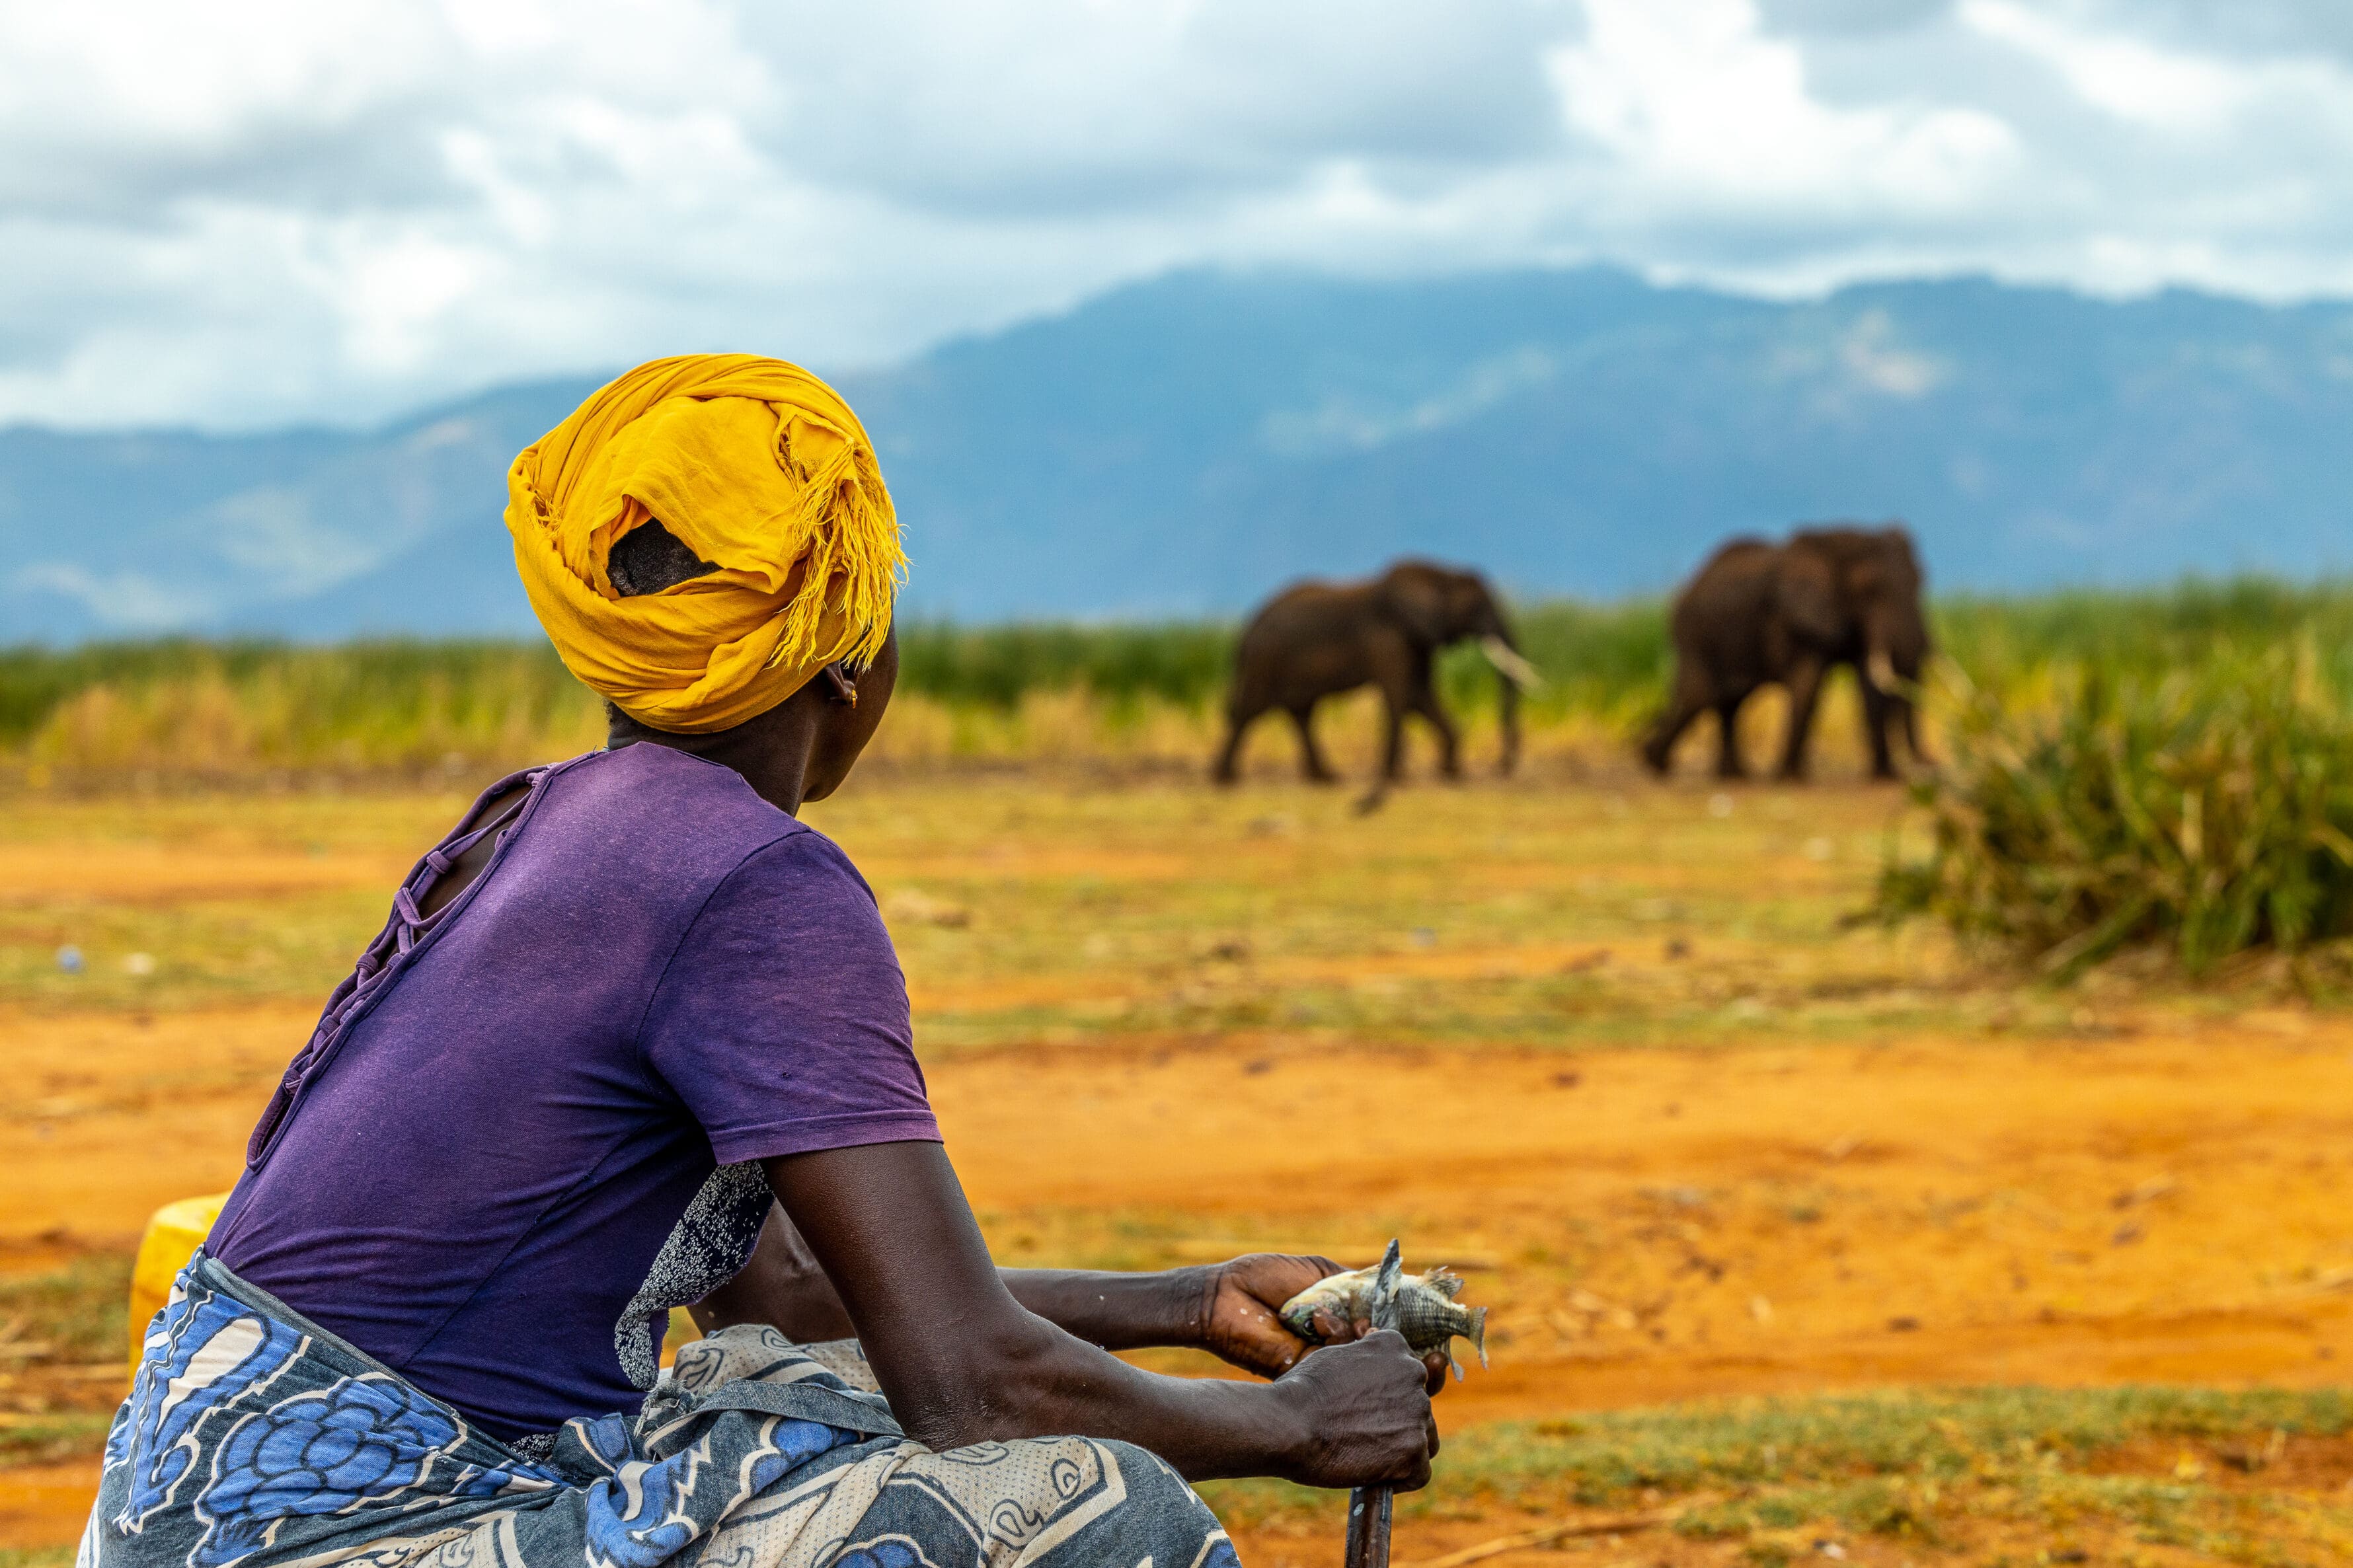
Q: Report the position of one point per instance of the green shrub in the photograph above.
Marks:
(2208, 808)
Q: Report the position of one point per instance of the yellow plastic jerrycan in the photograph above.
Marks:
(176, 1230)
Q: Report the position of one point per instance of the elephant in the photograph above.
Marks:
(1316, 640)
(1758, 612)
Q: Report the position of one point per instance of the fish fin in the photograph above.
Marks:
(1445, 1281)
(1479, 1334)
(1452, 1362)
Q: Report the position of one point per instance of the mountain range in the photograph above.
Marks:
(1186, 444)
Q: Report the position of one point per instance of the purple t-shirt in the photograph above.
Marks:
(474, 1166)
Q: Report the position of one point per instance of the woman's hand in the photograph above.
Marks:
(1240, 1324)
(1364, 1419)
(1239, 1303)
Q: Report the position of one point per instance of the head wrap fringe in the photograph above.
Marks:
(757, 465)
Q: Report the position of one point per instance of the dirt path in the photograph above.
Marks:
(1657, 1225)
(115, 1113)
(1648, 1225)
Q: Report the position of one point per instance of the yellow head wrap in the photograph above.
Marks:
(756, 466)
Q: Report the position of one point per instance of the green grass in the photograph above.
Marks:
(77, 1311)
(249, 710)
(36, 1556)
(1551, 916)
(2144, 631)
(1176, 662)
(71, 1317)
(1929, 1468)
(2208, 808)
(50, 1437)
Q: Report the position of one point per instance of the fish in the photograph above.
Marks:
(1428, 1315)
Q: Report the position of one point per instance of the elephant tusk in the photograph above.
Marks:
(1515, 668)
(1882, 670)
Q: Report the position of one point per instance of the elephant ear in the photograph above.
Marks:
(1901, 550)
(1416, 600)
(1806, 594)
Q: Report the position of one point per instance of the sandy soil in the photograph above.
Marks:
(154, 873)
(1648, 1225)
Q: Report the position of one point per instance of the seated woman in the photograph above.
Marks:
(634, 1037)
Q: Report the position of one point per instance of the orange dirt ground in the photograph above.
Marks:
(1648, 1225)
(1739, 1147)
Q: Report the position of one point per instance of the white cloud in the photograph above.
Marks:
(128, 602)
(252, 213)
(1688, 97)
(2134, 80)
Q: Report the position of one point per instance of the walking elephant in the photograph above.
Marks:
(1758, 613)
(1318, 639)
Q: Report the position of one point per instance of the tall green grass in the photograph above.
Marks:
(1177, 662)
(230, 709)
(2149, 631)
(234, 709)
(248, 710)
(1598, 658)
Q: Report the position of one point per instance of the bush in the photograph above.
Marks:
(2210, 809)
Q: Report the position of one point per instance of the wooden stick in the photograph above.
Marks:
(1368, 1527)
(1369, 1508)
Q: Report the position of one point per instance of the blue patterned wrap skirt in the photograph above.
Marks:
(253, 1438)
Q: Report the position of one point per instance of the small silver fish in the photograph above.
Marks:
(1428, 1314)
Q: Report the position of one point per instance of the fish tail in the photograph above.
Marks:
(1478, 1335)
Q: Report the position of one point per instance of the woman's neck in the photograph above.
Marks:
(772, 752)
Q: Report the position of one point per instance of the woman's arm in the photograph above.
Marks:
(962, 1361)
(1228, 1308)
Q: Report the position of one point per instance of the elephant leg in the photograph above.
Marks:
(1238, 723)
(1878, 717)
(1805, 678)
(1728, 764)
(1393, 738)
(1689, 703)
(1311, 756)
(1449, 739)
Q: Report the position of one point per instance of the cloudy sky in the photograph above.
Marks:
(243, 214)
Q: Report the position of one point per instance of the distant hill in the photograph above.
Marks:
(1186, 444)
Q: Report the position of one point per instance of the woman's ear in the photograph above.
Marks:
(839, 683)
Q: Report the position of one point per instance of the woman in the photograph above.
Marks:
(628, 1020)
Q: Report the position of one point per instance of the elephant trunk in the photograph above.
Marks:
(1895, 645)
